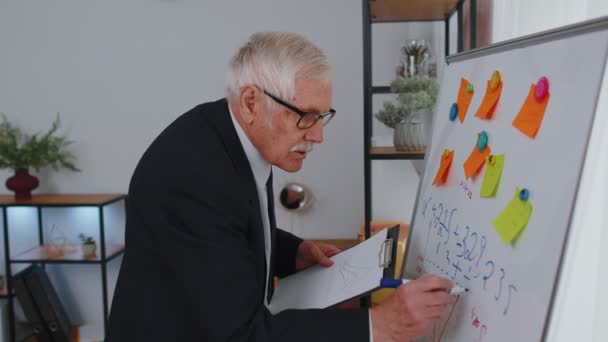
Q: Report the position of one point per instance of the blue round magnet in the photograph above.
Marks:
(524, 194)
(454, 111)
(482, 141)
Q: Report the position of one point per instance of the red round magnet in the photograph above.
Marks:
(542, 89)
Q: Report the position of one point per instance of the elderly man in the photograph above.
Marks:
(201, 241)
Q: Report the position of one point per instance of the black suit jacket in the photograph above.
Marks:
(194, 264)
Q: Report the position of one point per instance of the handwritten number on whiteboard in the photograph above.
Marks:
(456, 269)
(502, 270)
(467, 249)
(424, 206)
(512, 289)
(483, 248)
(446, 225)
(487, 276)
(463, 244)
(447, 235)
(450, 221)
(470, 252)
(466, 276)
(440, 226)
(482, 332)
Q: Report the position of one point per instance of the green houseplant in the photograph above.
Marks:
(416, 98)
(89, 246)
(415, 93)
(21, 152)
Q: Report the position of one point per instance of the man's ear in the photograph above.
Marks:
(251, 106)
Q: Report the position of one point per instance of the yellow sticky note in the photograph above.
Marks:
(513, 219)
(491, 180)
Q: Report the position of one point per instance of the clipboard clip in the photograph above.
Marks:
(386, 253)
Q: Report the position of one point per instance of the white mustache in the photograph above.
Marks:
(303, 147)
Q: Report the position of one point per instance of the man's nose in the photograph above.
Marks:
(315, 133)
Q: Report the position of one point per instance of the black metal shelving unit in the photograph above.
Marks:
(383, 11)
(40, 254)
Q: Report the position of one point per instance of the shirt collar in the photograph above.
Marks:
(260, 167)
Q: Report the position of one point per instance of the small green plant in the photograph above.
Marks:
(23, 151)
(415, 93)
(86, 240)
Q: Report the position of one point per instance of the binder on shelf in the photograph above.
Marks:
(356, 271)
(30, 309)
(41, 305)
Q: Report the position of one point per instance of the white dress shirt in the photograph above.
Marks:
(261, 171)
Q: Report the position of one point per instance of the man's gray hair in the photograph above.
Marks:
(273, 60)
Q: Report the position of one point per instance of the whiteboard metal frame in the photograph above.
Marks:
(589, 26)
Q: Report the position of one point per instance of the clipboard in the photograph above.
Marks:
(389, 253)
(356, 272)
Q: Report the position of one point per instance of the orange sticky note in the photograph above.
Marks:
(490, 99)
(476, 159)
(464, 99)
(531, 114)
(444, 168)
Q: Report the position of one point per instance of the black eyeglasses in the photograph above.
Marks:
(307, 120)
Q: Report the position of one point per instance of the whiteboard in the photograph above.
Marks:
(512, 286)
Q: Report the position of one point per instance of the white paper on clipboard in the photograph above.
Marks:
(355, 271)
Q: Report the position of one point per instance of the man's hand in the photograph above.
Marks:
(411, 310)
(312, 253)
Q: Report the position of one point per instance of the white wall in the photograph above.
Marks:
(516, 18)
(120, 71)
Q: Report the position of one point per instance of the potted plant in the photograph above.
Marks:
(416, 99)
(21, 152)
(89, 247)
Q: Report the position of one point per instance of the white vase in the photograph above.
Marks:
(411, 133)
(89, 249)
